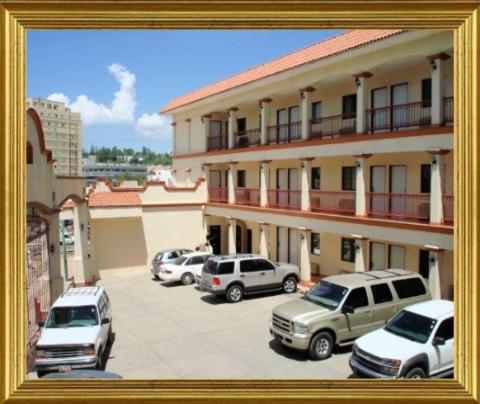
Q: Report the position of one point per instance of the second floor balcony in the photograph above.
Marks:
(336, 202)
(247, 196)
(285, 133)
(398, 206)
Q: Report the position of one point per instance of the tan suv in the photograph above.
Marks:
(340, 308)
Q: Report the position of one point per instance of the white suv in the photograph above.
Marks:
(77, 331)
(416, 343)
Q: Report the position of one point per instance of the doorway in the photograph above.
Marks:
(379, 118)
(215, 232)
(292, 246)
(282, 244)
(399, 109)
(377, 256)
(378, 188)
(398, 187)
(238, 239)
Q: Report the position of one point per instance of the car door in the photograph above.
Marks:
(250, 275)
(269, 277)
(384, 307)
(442, 358)
(103, 313)
(196, 264)
(360, 321)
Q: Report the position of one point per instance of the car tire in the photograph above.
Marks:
(234, 294)
(111, 336)
(41, 373)
(187, 278)
(415, 373)
(157, 277)
(321, 346)
(99, 364)
(289, 285)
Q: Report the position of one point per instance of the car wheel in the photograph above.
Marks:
(415, 373)
(234, 294)
(99, 364)
(321, 346)
(111, 337)
(187, 278)
(157, 277)
(289, 285)
(41, 373)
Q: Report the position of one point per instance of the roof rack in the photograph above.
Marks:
(85, 291)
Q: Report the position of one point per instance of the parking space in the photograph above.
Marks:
(173, 331)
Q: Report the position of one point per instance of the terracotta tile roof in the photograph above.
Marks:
(113, 199)
(309, 54)
(68, 204)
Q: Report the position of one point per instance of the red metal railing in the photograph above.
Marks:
(247, 196)
(398, 206)
(217, 142)
(447, 201)
(414, 114)
(218, 194)
(285, 133)
(333, 126)
(447, 110)
(341, 202)
(247, 138)
(284, 199)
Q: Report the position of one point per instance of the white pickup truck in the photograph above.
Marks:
(76, 333)
(416, 343)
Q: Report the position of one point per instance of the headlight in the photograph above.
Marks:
(89, 351)
(392, 362)
(354, 349)
(299, 328)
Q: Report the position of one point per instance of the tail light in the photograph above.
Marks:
(216, 281)
(167, 271)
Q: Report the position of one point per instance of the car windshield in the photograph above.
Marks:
(326, 294)
(78, 316)
(180, 260)
(411, 326)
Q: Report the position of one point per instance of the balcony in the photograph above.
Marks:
(285, 133)
(447, 110)
(218, 194)
(447, 201)
(218, 142)
(336, 202)
(405, 116)
(247, 138)
(404, 207)
(284, 199)
(247, 196)
(333, 126)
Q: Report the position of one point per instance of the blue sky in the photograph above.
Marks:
(118, 80)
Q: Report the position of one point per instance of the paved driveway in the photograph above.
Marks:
(173, 331)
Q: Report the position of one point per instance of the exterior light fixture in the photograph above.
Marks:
(434, 65)
(357, 163)
(432, 259)
(82, 226)
(434, 160)
(261, 229)
(302, 95)
(260, 104)
(303, 164)
(302, 237)
(52, 248)
(358, 82)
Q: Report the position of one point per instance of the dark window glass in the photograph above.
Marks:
(264, 265)
(424, 263)
(241, 178)
(426, 92)
(381, 293)
(241, 125)
(173, 254)
(425, 180)
(315, 244)
(198, 260)
(248, 266)
(406, 288)
(29, 153)
(357, 298)
(349, 105)
(348, 178)
(225, 268)
(348, 249)
(315, 178)
(445, 330)
(316, 110)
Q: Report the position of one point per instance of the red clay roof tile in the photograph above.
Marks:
(113, 199)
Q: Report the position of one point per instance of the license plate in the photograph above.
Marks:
(63, 369)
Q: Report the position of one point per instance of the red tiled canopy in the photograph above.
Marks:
(114, 199)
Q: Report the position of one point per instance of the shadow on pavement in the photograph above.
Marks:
(302, 356)
(212, 299)
(170, 284)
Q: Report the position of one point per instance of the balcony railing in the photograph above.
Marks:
(448, 110)
(333, 126)
(447, 201)
(247, 196)
(396, 206)
(285, 133)
(247, 138)
(217, 142)
(284, 199)
(412, 115)
(218, 194)
(339, 202)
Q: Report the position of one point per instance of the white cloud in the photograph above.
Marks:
(59, 97)
(154, 126)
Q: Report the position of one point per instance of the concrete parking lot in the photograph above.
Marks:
(173, 331)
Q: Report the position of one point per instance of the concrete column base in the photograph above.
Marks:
(57, 287)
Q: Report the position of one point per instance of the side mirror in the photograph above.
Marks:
(347, 309)
(438, 341)
(41, 324)
(105, 321)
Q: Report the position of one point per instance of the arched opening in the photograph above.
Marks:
(29, 153)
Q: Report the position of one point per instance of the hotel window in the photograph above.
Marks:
(425, 178)
(348, 249)
(315, 178)
(348, 178)
(241, 179)
(315, 244)
(426, 93)
(349, 105)
(316, 110)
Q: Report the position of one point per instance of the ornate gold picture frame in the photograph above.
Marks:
(16, 17)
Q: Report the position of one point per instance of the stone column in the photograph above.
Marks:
(174, 138)
(435, 261)
(437, 62)
(306, 170)
(57, 280)
(305, 265)
(206, 129)
(436, 185)
(263, 229)
(232, 170)
(232, 235)
(360, 183)
(306, 110)
(264, 181)
(81, 261)
(232, 126)
(264, 118)
(361, 80)
(361, 253)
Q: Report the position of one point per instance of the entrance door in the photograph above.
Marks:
(399, 107)
(282, 187)
(398, 187)
(396, 258)
(249, 241)
(424, 263)
(293, 116)
(379, 106)
(238, 239)
(282, 244)
(377, 256)
(292, 246)
(293, 197)
(215, 179)
(215, 238)
(282, 125)
(378, 180)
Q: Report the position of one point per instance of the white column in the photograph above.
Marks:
(264, 181)
(232, 170)
(232, 126)
(306, 168)
(174, 138)
(263, 229)
(232, 236)
(438, 72)
(361, 80)
(57, 280)
(434, 274)
(361, 255)
(265, 119)
(305, 265)
(81, 265)
(306, 110)
(188, 180)
(436, 186)
(360, 183)
(206, 129)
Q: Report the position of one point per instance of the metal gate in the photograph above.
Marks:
(38, 281)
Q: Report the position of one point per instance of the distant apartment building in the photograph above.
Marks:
(63, 134)
(112, 171)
